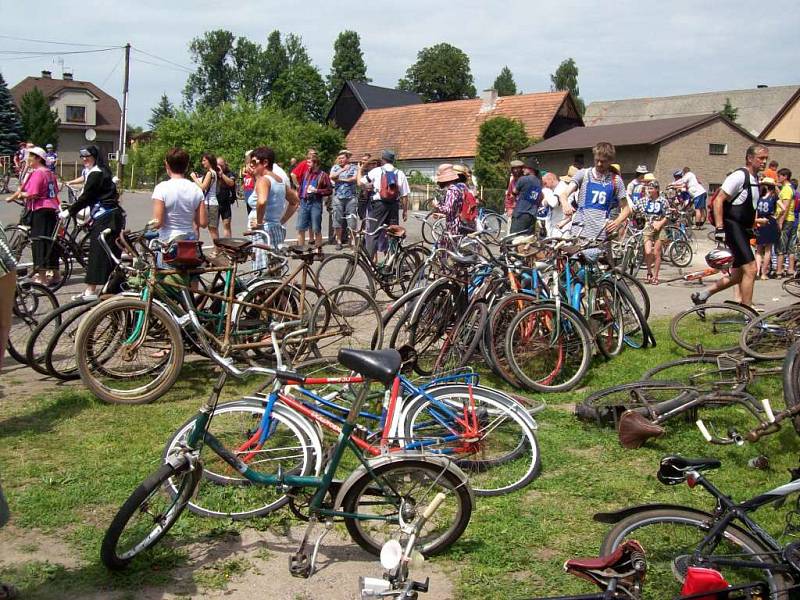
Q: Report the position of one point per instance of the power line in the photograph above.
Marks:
(161, 66)
(21, 39)
(112, 72)
(58, 52)
(185, 68)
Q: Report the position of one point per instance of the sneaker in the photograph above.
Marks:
(697, 300)
(338, 246)
(85, 296)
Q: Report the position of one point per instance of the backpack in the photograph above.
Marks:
(389, 190)
(469, 207)
(710, 205)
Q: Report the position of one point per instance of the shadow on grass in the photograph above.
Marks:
(42, 420)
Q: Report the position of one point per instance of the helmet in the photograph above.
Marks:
(48, 146)
(678, 173)
(719, 259)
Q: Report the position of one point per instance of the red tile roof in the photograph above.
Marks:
(447, 129)
(108, 110)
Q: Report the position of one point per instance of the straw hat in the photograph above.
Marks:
(641, 169)
(767, 181)
(570, 174)
(516, 164)
(648, 177)
(446, 173)
(616, 168)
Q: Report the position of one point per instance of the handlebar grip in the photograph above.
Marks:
(435, 503)
(106, 231)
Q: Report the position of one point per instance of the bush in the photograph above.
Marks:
(499, 140)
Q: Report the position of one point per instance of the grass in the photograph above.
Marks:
(68, 462)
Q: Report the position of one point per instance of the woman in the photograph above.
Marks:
(272, 191)
(314, 186)
(767, 230)
(178, 206)
(40, 192)
(655, 214)
(99, 193)
(248, 183)
(450, 206)
(208, 184)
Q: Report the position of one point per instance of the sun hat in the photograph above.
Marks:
(570, 174)
(445, 172)
(38, 152)
(648, 177)
(641, 169)
(461, 169)
(767, 181)
(515, 164)
(616, 168)
(345, 151)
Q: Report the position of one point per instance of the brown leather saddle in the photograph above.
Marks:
(626, 564)
(635, 429)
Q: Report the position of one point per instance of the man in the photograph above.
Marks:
(786, 214)
(345, 202)
(390, 192)
(315, 186)
(550, 213)
(300, 170)
(697, 194)
(226, 195)
(365, 165)
(528, 195)
(50, 157)
(636, 188)
(600, 190)
(510, 198)
(734, 209)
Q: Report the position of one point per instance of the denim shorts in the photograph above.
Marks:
(700, 201)
(344, 208)
(310, 216)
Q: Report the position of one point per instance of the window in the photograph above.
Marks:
(713, 187)
(718, 149)
(578, 160)
(76, 114)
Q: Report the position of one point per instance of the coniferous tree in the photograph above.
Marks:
(10, 126)
(348, 62)
(505, 84)
(163, 110)
(566, 79)
(39, 123)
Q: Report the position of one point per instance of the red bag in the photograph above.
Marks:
(184, 254)
(469, 207)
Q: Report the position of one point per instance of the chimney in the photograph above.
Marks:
(67, 76)
(47, 75)
(488, 99)
(761, 86)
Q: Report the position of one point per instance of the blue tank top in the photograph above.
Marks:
(276, 201)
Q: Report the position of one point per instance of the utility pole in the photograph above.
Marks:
(122, 157)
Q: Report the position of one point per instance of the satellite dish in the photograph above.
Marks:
(90, 135)
(391, 553)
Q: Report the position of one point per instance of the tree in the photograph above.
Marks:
(729, 111)
(565, 79)
(163, 110)
(10, 126)
(212, 82)
(39, 123)
(499, 140)
(275, 60)
(299, 87)
(247, 59)
(441, 73)
(505, 84)
(348, 62)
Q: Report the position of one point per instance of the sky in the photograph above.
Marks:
(623, 49)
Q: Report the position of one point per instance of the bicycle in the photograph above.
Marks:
(711, 329)
(679, 537)
(33, 302)
(403, 483)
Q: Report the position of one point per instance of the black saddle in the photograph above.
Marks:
(466, 261)
(675, 469)
(234, 245)
(305, 252)
(379, 365)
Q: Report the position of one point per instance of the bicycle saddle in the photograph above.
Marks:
(303, 251)
(235, 245)
(635, 429)
(379, 365)
(465, 261)
(673, 469)
(396, 231)
(626, 563)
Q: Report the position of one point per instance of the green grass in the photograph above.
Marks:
(68, 462)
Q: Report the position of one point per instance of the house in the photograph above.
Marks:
(756, 108)
(82, 108)
(356, 97)
(426, 135)
(785, 125)
(710, 145)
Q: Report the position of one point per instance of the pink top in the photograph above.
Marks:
(42, 190)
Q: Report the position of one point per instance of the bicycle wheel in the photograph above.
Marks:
(345, 269)
(427, 228)
(637, 291)
(607, 319)
(463, 339)
(680, 253)
(548, 348)
(346, 317)
(711, 328)
(792, 286)
(19, 243)
(493, 225)
(769, 336)
(122, 359)
(426, 328)
(148, 514)
(791, 381)
(706, 373)
(60, 360)
(33, 303)
(40, 337)
(606, 406)
(499, 451)
(402, 274)
(671, 536)
(499, 320)
(637, 333)
(404, 488)
(223, 492)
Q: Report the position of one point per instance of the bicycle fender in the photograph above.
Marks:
(155, 301)
(438, 462)
(617, 515)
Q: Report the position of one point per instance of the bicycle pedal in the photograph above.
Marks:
(300, 565)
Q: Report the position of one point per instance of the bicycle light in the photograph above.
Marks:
(372, 588)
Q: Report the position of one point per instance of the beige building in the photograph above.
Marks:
(81, 106)
(710, 145)
(785, 125)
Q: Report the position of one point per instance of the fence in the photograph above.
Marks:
(422, 195)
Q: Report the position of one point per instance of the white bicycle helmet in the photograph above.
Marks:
(719, 259)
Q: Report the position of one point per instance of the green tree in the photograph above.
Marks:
(565, 79)
(10, 126)
(348, 62)
(299, 86)
(39, 123)
(499, 140)
(163, 110)
(275, 60)
(505, 84)
(442, 72)
(247, 60)
(212, 82)
(729, 110)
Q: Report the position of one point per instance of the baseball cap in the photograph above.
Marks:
(388, 155)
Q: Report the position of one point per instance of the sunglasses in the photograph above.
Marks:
(85, 153)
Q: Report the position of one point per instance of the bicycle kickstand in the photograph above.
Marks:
(300, 564)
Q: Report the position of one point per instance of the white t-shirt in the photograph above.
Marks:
(555, 215)
(374, 177)
(692, 185)
(181, 198)
(733, 186)
(211, 192)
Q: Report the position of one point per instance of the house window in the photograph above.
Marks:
(578, 160)
(713, 187)
(76, 114)
(718, 149)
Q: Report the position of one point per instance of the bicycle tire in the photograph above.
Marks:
(538, 362)
(60, 359)
(606, 406)
(769, 336)
(224, 492)
(638, 292)
(704, 372)
(137, 504)
(404, 270)
(427, 326)
(462, 341)
(499, 320)
(791, 286)
(637, 332)
(680, 253)
(606, 319)
(345, 269)
(36, 348)
(164, 335)
(505, 456)
(33, 303)
(444, 527)
(711, 328)
(396, 313)
(791, 380)
(494, 225)
(668, 551)
(347, 317)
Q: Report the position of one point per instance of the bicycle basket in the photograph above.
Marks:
(184, 254)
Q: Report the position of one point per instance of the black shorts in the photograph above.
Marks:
(523, 223)
(737, 238)
(224, 209)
